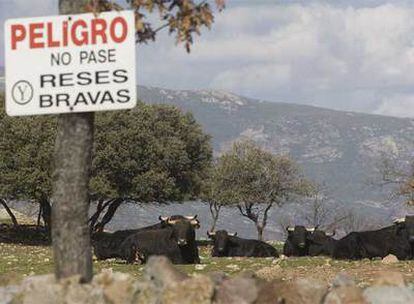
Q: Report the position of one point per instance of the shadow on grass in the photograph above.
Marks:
(30, 235)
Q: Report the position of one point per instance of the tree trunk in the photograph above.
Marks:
(260, 229)
(109, 214)
(215, 211)
(94, 218)
(70, 233)
(70, 202)
(46, 212)
(9, 212)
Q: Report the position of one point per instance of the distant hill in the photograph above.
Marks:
(339, 149)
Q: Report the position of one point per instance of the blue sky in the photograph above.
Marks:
(348, 55)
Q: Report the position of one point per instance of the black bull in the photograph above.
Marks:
(229, 245)
(396, 239)
(176, 242)
(297, 242)
(108, 245)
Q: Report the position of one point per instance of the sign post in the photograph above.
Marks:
(70, 64)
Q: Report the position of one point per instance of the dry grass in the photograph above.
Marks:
(18, 261)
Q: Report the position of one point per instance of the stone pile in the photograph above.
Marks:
(162, 283)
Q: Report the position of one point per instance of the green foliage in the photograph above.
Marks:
(152, 154)
(155, 153)
(26, 151)
(184, 18)
(249, 175)
(254, 180)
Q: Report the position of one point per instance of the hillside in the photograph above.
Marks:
(339, 149)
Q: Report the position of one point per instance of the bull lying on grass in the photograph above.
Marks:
(393, 239)
(297, 242)
(228, 245)
(176, 242)
(107, 245)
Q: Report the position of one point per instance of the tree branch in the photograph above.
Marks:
(9, 212)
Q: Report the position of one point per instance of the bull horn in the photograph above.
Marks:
(171, 222)
(211, 233)
(190, 218)
(399, 220)
(232, 234)
(331, 234)
(163, 218)
(195, 223)
(310, 229)
(290, 228)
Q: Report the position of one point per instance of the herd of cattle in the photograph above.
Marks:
(174, 237)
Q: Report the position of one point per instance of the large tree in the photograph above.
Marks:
(256, 180)
(151, 153)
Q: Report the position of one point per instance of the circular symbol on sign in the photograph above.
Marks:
(22, 92)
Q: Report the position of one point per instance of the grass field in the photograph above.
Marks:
(18, 261)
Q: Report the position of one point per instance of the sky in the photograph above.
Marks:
(348, 55)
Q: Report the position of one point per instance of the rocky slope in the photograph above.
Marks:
(340, 149)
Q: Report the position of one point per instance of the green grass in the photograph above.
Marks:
(6, 221)
(18, 261)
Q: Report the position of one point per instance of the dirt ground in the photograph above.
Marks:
(18, 261)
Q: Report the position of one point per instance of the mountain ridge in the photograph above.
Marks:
(340, 149)
(255, 100)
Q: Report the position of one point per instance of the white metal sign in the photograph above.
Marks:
(67, 64)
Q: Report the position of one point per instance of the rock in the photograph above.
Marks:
(389, 295)
(117, 287)
(310, 290)
(345, 295)
(390, 259)
(148, 293)
(343, 279)
(389, 278)
(199, 289)
(200, 266)
(302, 291)
(8, 293)
(237, 290)
(41, 290)
(217, 277)
(269, 273)
(161, 272)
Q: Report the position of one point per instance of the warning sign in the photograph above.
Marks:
(67, 64)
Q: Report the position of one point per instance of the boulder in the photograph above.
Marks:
(345, 295)
(388, 295)
(117, 287)
(389, 278)
(343, 279)
(390, 259)
(269, 273)
(302, 291)
(199, 289)
(242, 289)
(8, 293)
(41, 290)
(162, 273)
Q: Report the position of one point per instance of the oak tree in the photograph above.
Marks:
(256, 180)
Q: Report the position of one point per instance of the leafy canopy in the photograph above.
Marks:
(249, 175)
(183, 18)
(153, 153)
